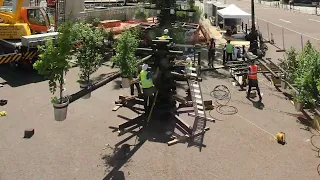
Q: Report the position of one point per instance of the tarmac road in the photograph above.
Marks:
(294, 24)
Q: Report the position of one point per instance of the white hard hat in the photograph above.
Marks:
(188, 59)
(145, 66)
(165, 31)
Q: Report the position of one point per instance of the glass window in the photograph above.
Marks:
(35, 17)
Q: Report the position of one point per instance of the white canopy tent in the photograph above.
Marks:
(233, 12)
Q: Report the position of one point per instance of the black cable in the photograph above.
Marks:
(221, 93)
(317, 149)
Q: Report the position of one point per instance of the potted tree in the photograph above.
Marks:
(89, 55)
(140, 15)
(125, 55)
(53, 63)
(290, 65)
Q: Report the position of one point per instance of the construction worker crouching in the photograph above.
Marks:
(165, 35)
(147, 88)
(253, 79)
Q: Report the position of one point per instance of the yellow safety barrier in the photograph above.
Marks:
(9, 58)
(30, 55)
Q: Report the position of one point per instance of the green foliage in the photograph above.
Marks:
(125, 58)
(307, 74)
(290, 64)
(89, 55)
(178, 35)
(53, 60)
(141, 14)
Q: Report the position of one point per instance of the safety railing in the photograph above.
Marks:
(284, 38)
(313, 9)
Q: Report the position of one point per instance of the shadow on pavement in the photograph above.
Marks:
(18, 77)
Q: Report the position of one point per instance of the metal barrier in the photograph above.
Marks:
(284, 38)
(119, 13)
(300, 9)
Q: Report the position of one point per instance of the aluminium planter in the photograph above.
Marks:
(284, 84)
(298, 105)
(85, 86)
(60, 111)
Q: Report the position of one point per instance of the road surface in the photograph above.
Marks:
(295, 24)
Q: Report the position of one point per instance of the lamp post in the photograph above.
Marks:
(253, 32)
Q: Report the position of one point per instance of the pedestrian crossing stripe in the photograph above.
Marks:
(10, 58)
(29, 55)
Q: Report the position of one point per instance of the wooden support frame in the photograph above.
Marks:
(187, 137)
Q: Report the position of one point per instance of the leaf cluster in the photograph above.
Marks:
(125, 57)
(89, 55)
(307, 74)
(53, 58)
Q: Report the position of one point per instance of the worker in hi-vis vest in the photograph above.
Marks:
(253, 79)
(165, 35)
(147, 88)
(229, 50)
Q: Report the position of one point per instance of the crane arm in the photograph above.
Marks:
(1, 2)
(12, 18)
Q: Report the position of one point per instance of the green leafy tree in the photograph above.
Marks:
(53, 60)
(141, 15)
(308, 74)
(125, 53)
(290, 64)
(89, 55)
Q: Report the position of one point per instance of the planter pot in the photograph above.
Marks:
(276, 81)
(85, 86)
(125, 82)
(60, 111)
(284, 85)
(316, 122)
(298, 106)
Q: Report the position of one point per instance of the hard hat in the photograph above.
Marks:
(145, 66)
(188, 59)
(165, 31)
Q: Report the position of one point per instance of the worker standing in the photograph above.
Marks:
(211, 52)
(165, 35)
(253, 79)
(187, 71)
(147, 88)
(229, 51)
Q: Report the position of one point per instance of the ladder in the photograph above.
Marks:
(60, 12)
(198, 105)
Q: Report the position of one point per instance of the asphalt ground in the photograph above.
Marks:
(291, 27)
(238, 146)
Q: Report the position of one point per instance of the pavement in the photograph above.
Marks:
(287, 28)
(238, 146)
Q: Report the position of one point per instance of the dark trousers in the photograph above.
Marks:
(132, 88)
(229, 55)
(147, 100)
(211, 57)
(254, 83)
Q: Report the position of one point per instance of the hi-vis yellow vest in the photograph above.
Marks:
(164, 37)
(229, 48)
(146, 83)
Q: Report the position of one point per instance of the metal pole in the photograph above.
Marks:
(268, 31)
(283, 38)
(301, 40)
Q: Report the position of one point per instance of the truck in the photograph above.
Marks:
(22, 29)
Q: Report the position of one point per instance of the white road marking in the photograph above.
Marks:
(314, 20)
(284, 20)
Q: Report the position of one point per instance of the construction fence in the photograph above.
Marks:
(119, 13)
(312, 9)
(282, 37)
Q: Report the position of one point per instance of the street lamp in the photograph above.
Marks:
(254, 35)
